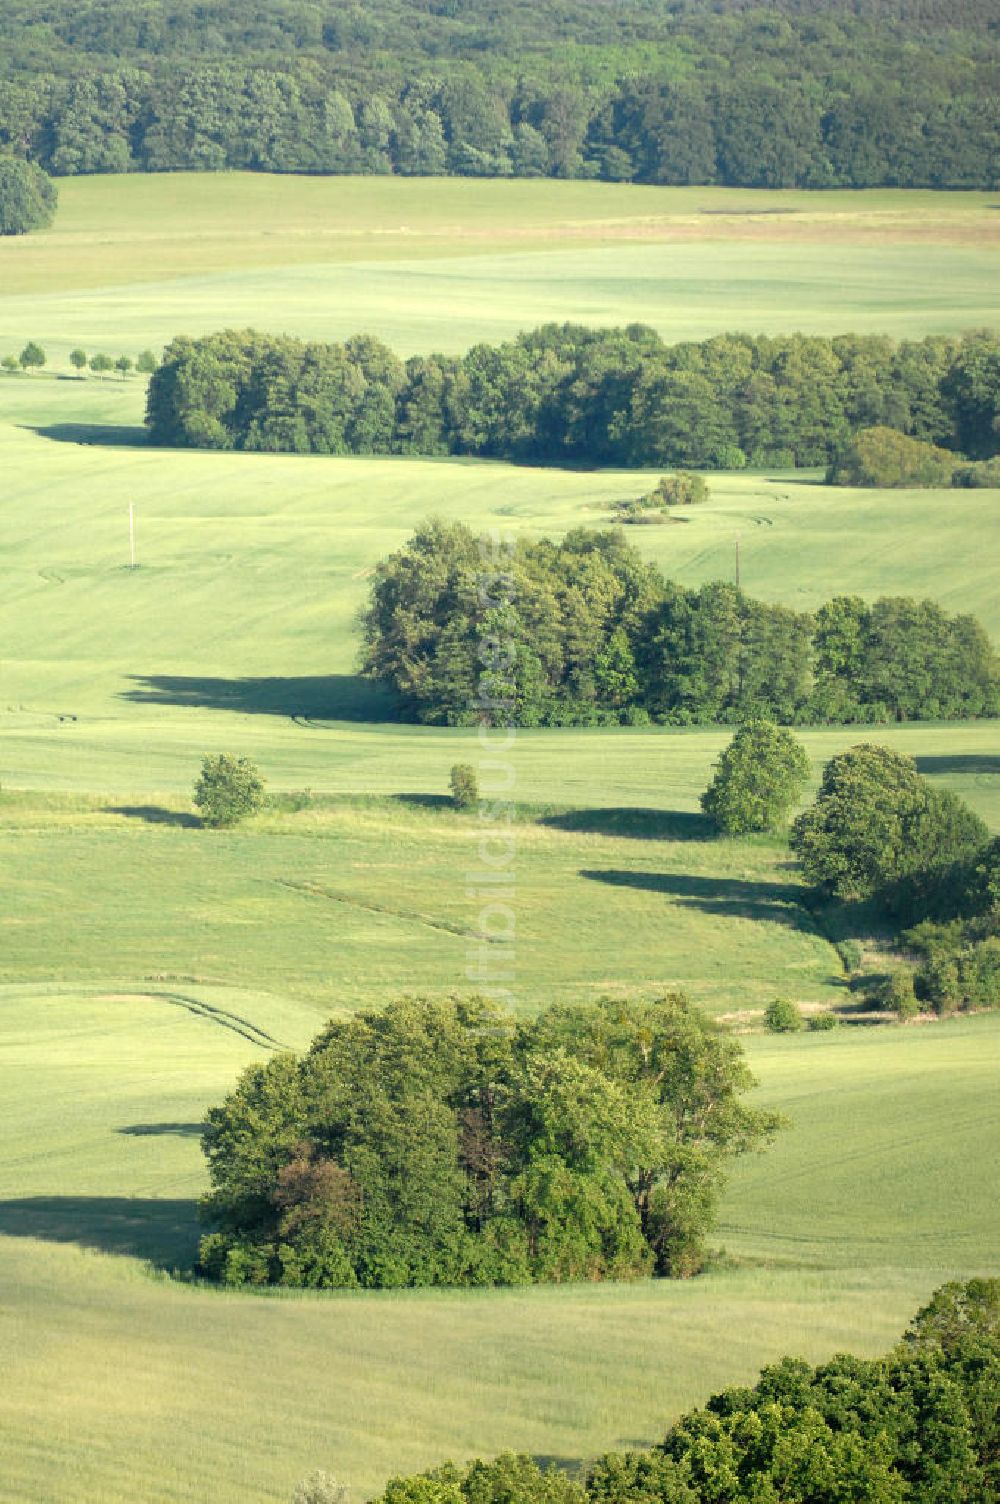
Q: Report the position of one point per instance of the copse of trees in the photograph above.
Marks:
(27, 196)
(590, 634)
(918, 1425)
(814, 96)
(682, 488)
(566, 393)
(446, 1143)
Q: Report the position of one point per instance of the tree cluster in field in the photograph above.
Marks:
(566, 393)
(27, 196)
(760, 95)
(880, 831)
(918, 1426)
(584, 632)
(884, 458)
(446, 1143)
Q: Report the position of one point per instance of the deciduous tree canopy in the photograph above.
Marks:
(878, 827)
(600, 396)
(448, 1144)
(587, 633)
(798, 94)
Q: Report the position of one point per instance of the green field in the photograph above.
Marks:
(145, 961)
(440, 263)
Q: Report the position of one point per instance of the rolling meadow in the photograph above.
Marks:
(145, 961)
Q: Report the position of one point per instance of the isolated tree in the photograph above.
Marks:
(78, 359)
(464, 786)
(146, 363)
(27, 197)
(10, 363)
(32, 356)
(123, 365)
(877, 821)
(758, 778)
(228, 790)
(101, 363)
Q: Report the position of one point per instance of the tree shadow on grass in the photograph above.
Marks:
(164, 1233)
(776, 903)
(314, 697)
(155, 1130)
(635, 823)
(573, 1467)
(426, 801)
(103, 434)
(155, 814)
(972, 762)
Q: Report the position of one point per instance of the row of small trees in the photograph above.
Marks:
(33, 358)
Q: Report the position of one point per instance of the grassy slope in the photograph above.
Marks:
(118, 1388)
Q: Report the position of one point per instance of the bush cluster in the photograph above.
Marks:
(584, 632)
(568, 393)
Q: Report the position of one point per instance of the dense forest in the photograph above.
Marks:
(571, 394)
(446, 1143)
(918, 1426)
(584, 632)
(804, 93)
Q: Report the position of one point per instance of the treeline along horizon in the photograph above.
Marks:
(585, 632)
(810, 95)
(567, 393)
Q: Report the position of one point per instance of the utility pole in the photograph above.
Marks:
(131, 535)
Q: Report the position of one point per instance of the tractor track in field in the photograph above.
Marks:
(200, 1009)
(316, 890)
